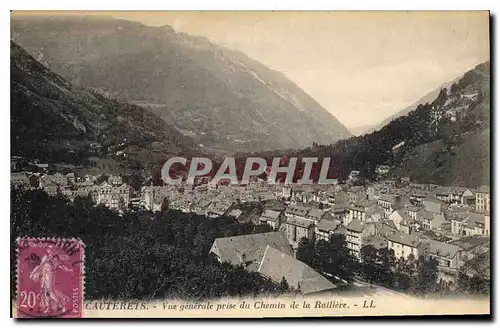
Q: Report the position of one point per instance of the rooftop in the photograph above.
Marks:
(270, 215)
(404, 239)
(484, 189)
(302, 223)
(327, 225)
(297, 210)
(316, 214)
(471, 242)
(356, 225)
(249, 249)
(277, 265)
(442, 249)
(386, 197)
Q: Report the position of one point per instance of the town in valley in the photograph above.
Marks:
(450, 224)
(379, 124)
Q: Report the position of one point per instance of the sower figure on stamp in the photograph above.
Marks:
(45, 273)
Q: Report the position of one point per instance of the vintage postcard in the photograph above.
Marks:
(250, 164)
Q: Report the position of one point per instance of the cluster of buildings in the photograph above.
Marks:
(409, 218)
(113, 192)
(448, 224)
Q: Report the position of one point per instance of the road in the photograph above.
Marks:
(361, 288)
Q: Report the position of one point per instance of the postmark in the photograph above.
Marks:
(50, 273)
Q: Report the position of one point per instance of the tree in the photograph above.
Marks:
(441, 98)
(447, 132)
(404, 273)
(306, 252)
(427, 275)
(165, 205)
(479, 285)
(387, 264)
(139, 259)
(476, 285)
(342, 260)
(370, 269)
(101, 178)
(454, 88)
(283, 287)
(330, 257)
(463, 282)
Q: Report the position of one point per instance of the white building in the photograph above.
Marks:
(483, 199)
(114, 197)
(403, 245)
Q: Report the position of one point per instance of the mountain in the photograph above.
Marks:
(53, 121)
(220, 98)
(466, 164)
(460, 155)
(425, 99)
(445, 141)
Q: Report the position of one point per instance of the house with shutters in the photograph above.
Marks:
(457, 195)
(470, 224)
(362, 210)
(385, 201)
(417, 196)
(443, 193)
(448, 257)
(356, 232)
(430, 221)
(403, 244)
(483, 199)
(298, 228)
(356, 194)
(412, 210)
(326, 228)
(114, 197)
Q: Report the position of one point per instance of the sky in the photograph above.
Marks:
(361, 66)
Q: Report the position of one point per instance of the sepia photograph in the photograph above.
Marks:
(250, 164)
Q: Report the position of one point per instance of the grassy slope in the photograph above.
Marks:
(467, 164)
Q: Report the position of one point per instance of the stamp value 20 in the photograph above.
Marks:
(50, 274)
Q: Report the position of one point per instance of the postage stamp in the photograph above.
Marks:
(50, 273)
